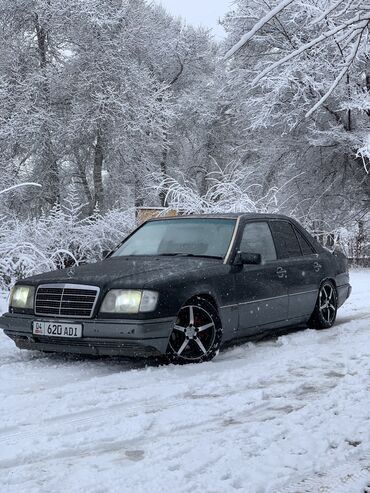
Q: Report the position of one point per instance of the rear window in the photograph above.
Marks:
(305, 245)
(286, 241)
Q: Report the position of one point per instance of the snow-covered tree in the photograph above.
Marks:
(297, 72)
(89, 93)
(61, 237)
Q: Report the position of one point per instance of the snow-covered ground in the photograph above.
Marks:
(285, 415)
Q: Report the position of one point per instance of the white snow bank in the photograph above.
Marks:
(289, 414)
(3, 301)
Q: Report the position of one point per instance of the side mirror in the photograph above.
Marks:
(243, 258)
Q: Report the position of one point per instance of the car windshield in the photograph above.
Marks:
(187, 237)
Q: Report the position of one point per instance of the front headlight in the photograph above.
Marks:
(22, 297)
(129, 301)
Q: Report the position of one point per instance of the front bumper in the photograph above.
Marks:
(132, 338)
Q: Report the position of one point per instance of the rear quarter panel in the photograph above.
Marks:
(335, 266)
(342, 277)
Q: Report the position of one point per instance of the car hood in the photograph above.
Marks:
(126, 272)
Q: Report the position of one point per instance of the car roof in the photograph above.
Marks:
(230, 215)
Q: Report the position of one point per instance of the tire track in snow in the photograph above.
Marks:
(302, 394)
(266, 411)
(350, 477)
(344, 320)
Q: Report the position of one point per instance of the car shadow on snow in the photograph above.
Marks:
(122, 363)
(140, 363)
(264, 336)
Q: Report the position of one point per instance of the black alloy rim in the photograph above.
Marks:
(327, 303)
(193, 334)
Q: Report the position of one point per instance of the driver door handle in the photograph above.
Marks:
(281, 273)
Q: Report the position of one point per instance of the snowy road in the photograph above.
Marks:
(288, 414)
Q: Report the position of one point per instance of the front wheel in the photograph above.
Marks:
(197, 333)
(326, 307)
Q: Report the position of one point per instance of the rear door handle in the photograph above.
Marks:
(281, 273)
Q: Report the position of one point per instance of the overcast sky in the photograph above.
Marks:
(205, 12)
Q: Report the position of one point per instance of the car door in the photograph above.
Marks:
(302, 267)
(262, 289)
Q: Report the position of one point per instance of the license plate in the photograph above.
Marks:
(56, 329)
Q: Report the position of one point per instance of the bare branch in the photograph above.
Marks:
(341, 74)
(311, 44)
(19, 186)
(257, 27)
(329, 11)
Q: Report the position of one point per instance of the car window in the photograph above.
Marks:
(286, 241)
(257, 238)
(305, 245)
(188, 236)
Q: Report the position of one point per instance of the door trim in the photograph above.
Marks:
(256, 301)
(268, 299)
(304, 292)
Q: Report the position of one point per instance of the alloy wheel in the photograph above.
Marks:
(194, 334)
(327, 303)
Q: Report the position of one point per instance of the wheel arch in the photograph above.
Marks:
(205, 296)
(332, 280)
(229, 317)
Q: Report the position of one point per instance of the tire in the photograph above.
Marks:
(197, 333)
(326, 307)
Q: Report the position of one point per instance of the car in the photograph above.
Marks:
(181, 287)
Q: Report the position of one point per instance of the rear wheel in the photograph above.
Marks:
(326, 307)
(197, 333)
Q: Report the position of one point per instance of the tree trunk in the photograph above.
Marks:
(163, 164)
(49, 163)
(138, 191)
(85, 185)
(98, 172)
(51, 172)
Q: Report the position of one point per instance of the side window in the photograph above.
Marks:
(257, 238)
(285, 239)
(305, 245)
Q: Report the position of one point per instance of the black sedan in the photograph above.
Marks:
(183, 287)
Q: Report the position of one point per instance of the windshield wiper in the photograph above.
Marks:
(187, 255)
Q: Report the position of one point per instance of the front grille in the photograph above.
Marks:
(66, 300)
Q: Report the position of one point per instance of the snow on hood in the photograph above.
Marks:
(125, 270)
